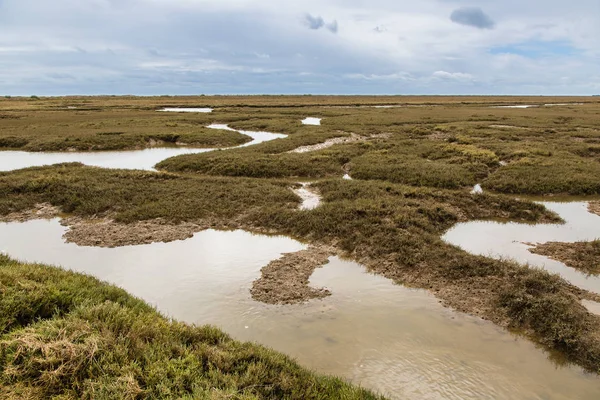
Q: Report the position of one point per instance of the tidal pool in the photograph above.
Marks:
(386, 337)
(144, 159)
(512, 240)
(310, 198)
(311, 121)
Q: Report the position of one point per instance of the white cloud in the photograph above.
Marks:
(459, 76)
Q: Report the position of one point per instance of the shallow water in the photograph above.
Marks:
(134, 159)
(310, 198)
(311, 121)
(477, 189)
(507, 240)
(386, 337)
(189, 110)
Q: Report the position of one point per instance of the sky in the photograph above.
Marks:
(159, 47)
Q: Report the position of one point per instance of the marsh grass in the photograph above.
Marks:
(70, 336)
(584, 256)
(410, 186)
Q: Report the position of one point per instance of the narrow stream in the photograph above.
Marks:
(508, 240)
(386, 337)
(144, 159)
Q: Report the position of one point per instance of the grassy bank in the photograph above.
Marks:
(69, 336)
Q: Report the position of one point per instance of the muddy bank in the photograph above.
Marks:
(594, 207)
(353, 138)
(285, 281)
(328, 143)
(104, 231)
(40, 211)
(584, 256)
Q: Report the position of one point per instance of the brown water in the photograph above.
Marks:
(508, 240)
(135, 159)
(386, 337)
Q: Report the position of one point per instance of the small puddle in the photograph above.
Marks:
(516, 106)
(144, 159)
(507, 240)
(347, 177)
(312, 121)
(310, 198)
(392, 339)
(187, 110)
(477, 189)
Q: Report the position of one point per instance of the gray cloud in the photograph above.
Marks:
(472, 16)
(333, 26)
(317, 22)
(314, 22)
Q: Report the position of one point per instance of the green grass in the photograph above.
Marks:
(70, 336)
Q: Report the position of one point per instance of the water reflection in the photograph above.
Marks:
(512, 240)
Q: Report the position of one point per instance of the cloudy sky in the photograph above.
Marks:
(52, 47)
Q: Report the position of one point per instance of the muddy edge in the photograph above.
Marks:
(285, 281)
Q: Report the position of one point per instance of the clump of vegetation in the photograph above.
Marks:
(584, 256)
(69, 336)
(535, 175)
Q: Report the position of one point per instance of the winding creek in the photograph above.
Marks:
(386, 337)
(144, 159)
(512, 240)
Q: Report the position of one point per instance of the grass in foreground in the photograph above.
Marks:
(69, 336)
(584, 256)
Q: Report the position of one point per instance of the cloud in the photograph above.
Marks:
(459, 76)
(333, 26)
(194, 46)
(318, 22)
(472, 16)
(314, 22)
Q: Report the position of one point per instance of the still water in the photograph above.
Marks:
(144, 159)
(512, 240)
(386, 337)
